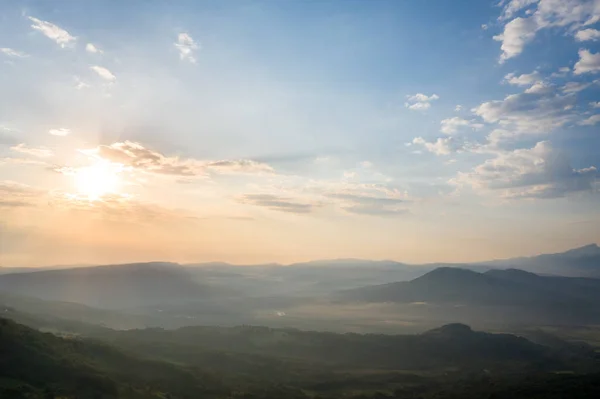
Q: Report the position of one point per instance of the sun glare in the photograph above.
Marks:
(97, 180)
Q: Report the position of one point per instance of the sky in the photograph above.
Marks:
(284, 131)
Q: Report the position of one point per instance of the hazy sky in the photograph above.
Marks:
(253, 131)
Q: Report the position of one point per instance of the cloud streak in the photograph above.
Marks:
(104, 73)
(9, 52)
(53, 32)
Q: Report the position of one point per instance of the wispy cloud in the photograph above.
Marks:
(61, 131)
(36, 152)
(420, 101)
(441, 146)
(9, 52)
(592, 120)
(104, 73)
(13, 194)
(277, 203)
(452, 125)
(187, 47)
(53, 32)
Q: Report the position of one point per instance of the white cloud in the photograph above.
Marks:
(517, 33)
(538, 172)
(36, 152)
(420, 101)
(91, 48)
(526, 79)
(592, 120)
(588, 62)
(588, 34)
(187, 47)
(54, 32)
(61, 131)
(595, 104)
(451, 125)
(570, 14)
(458, 108)
(534, 80)
(514, 6)
(539, 112)
(442, 146)
(104, 73)
(9, 52)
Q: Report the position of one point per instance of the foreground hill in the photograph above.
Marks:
(453, 346)
(262, 363)
(111, 287)
(39, 365)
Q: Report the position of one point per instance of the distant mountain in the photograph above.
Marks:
(110, 287)
(578, 262)
(495, 287)
(306, 278)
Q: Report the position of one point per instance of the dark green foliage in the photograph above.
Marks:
(451, 362)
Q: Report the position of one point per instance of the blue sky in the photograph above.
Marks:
(251, 131)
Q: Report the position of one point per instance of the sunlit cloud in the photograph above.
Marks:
(135, 155)
(53, 32)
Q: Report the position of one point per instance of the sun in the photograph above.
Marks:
(98, 180)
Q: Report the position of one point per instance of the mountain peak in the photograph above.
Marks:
(448, 273)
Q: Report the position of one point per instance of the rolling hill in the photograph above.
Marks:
(41, 365)
(494, 287)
